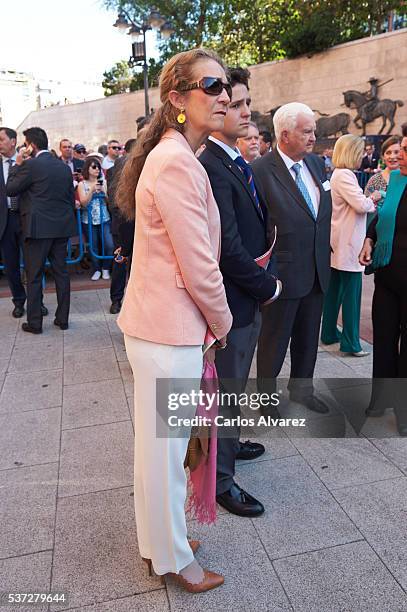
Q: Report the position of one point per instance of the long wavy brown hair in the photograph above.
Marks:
(178, 71)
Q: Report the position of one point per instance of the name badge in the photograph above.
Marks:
(326, 186)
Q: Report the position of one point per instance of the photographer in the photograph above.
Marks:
(92, 196)
(46, 207)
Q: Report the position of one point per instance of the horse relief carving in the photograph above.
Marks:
(369, 107)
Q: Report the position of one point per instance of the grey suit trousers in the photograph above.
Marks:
(233, 368)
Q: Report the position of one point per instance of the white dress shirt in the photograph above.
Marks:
(107, 163)
(306, 177)
(6, 168)
(233, 153)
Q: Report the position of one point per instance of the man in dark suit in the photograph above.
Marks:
(244, 237)
(293, 183)
(66, 150)
(10, 228)
(46, 192)
(119, 225)
(370, 159)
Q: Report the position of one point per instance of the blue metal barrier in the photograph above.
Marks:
(90, 233)
(69, 260)
(77, 259)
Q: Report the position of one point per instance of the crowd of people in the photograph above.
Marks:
(237, 244)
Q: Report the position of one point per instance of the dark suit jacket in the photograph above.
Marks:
(303, 244)
(372, 165)
(244, 236)
(3, 201)
(122, 229)
(76, 163)
(47, 206)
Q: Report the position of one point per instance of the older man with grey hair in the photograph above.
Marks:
(293, 183)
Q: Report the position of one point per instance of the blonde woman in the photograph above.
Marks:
(348, 230)
(175, 292)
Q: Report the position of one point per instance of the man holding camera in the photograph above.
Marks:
(46, 206)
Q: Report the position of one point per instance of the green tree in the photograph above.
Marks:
(254, 31)
(315, 25)
(118, 79)
(122, 79)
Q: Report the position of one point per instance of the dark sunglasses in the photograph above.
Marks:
(81, 151)
(95, 167)
(210, 85)
(116, 148)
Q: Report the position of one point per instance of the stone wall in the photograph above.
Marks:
(318, 81)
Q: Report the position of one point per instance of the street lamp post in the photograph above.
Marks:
(138, 48)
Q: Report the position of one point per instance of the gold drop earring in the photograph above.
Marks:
(181, 117)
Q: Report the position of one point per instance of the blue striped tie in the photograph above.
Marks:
(247, 171)
(303, 188)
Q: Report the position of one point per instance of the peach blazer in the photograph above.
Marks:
(348, 226)
(175, 288)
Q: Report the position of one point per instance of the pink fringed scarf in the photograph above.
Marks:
(202, 502)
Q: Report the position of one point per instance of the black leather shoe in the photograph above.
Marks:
(32, 330)
(115, 307)
(239, 502)
(60, 325)
(44, 310)
(402, 429)
(250, 450)
(312, 403)
(374, 411)
(18, 312)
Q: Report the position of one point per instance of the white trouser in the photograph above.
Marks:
(160, 483)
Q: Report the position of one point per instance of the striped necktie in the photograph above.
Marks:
(248, 174)
(13, 199)
(303, 188)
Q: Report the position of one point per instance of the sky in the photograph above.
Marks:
(62, 39)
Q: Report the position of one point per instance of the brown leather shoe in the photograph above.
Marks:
(194, 544)
(210, 581)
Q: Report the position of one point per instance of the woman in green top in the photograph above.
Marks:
(385, 251)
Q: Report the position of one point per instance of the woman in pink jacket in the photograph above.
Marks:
(175, 292)
(348, 230)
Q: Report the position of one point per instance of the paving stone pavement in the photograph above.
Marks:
(333, 537)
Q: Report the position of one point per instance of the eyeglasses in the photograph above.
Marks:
(116, 148)
(210, 85)
(81, 152)
(95, 167)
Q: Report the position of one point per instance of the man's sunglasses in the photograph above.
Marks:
(116, 148)
(81, 151)
(210, 85)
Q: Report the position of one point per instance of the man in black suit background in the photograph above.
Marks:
(293, 183)
(244, 237)
(47, 206)
(370, 159)
(67, 156)
(10, 228)
(119, 226)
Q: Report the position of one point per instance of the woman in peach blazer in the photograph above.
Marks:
(175, 292)
(348, 229)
